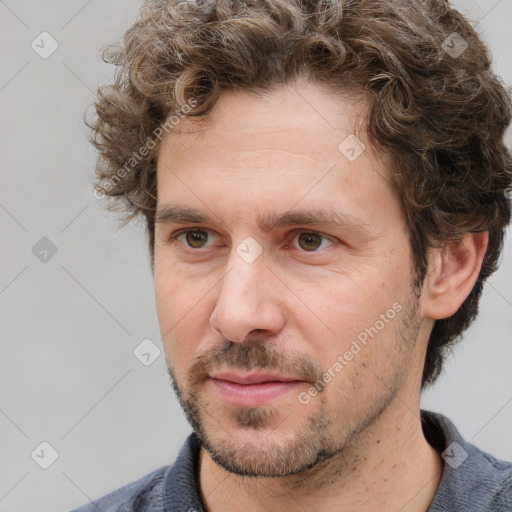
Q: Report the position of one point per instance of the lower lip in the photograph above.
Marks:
(254, 395)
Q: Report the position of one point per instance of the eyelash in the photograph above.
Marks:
(174, 236)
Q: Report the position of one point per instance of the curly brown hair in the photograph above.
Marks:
(441, 114)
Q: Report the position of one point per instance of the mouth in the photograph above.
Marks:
(255, 389)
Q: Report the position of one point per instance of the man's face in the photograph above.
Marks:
(285, 336)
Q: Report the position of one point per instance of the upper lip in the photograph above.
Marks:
(252, 378)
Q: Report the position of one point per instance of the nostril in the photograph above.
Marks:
(258, 331)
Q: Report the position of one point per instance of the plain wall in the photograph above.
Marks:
(69, 325)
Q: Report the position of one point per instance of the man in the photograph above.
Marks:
(325, 190)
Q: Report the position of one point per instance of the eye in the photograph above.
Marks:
(311, 241)
(193, 238)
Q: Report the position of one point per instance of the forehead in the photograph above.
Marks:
(300, 110)
(277, 146)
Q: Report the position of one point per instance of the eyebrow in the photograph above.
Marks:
(180, 215)
(269, 221)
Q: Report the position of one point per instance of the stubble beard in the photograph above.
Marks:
(314, 440)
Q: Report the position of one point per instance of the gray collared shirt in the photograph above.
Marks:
(472, 481)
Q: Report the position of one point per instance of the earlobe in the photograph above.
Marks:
(452, 272)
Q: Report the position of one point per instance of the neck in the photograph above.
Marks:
(387, 466)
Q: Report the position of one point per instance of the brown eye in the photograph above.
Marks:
(196, 239)
(310, 241)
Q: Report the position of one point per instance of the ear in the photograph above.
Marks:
(452, 272)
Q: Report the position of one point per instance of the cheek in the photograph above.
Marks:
(352, 318)
(175, 293)
(184, 308)
(349, 301)
(172, 303)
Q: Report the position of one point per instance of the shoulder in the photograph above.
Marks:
(145, 493)
(472, 478)
(495, 477)
(167, 489)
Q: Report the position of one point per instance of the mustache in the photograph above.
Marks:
(248, 356)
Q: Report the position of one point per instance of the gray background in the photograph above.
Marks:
(69, 325)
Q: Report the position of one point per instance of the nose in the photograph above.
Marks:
(248, 301)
